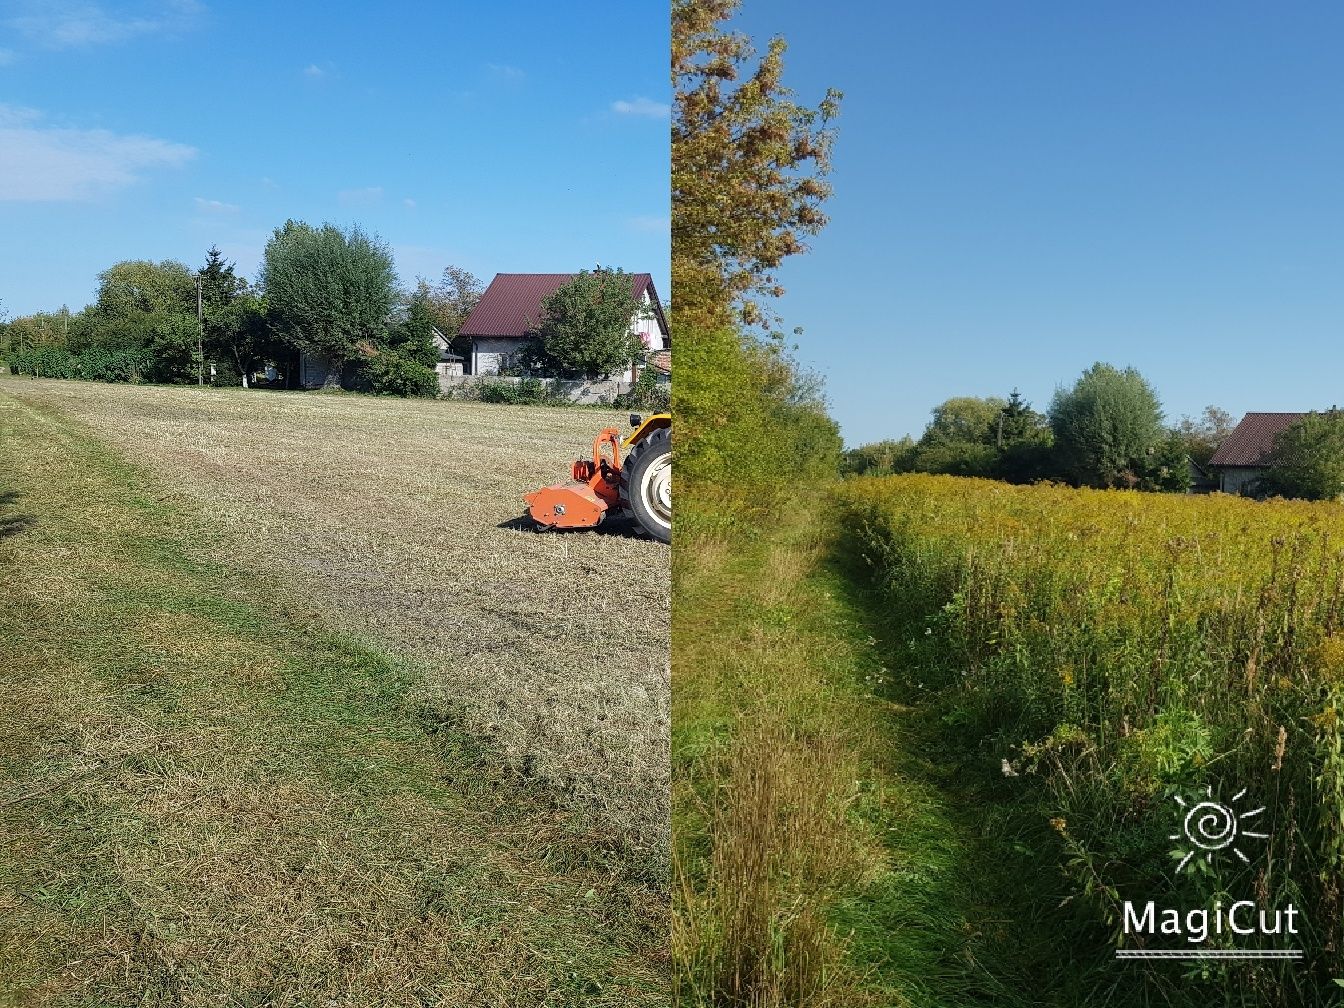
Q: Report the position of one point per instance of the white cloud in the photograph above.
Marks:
(367, 196)
(642, 107)
(41, 163)
(269, 183)
(215, 206)
(505, 72)
(408, 203)
(649, 223)
(18, 115)
(314, 71)
(72, 24)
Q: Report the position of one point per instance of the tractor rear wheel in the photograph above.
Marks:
(646, 484)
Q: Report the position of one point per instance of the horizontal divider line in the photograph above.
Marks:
(1208, 954)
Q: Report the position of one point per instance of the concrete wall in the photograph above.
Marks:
(312, 371)
(585, 392)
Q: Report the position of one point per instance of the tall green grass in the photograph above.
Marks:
(1092, 655)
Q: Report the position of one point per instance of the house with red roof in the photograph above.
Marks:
(509, 312)
(1243, 456)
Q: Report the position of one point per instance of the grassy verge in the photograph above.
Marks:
(204, 800)
(823, 854)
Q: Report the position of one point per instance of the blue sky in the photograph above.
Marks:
(1023, 189)
(499, 137)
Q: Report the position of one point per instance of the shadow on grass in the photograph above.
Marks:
(623, 528)
(12, 525)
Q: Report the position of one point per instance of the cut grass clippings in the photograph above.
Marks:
(207, 797)
(399, 522)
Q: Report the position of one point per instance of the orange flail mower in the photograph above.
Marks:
(633, 475)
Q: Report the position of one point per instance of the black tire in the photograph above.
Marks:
(646, 484)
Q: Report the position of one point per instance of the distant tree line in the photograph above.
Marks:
(324, 291)
(1106, 430)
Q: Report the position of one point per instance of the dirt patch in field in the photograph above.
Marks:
(392, 520)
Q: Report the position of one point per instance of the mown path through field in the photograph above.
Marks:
(976, 911)
(793, 681)
(207, 800)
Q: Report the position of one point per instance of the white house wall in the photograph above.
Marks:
(647, 328)
(488, 353)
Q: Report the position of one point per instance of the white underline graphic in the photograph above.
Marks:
(1208, 953)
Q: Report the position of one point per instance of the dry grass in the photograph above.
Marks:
(208, 797)
(384, 519)
(771, 749)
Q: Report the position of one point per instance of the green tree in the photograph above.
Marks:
(220, 285)
(413, 336)
(1308, 459)
(137, 288)
(748, 166)
(959, 440)
(967, 419)
(1107, 428)
(38, 329)
(146, 311)
(452, 300)
(1168, 468)
(237, 337)
(1024, 441)
(328, 292)
(585, 329)
(404, 363)
(1201, 437)
(880, 458)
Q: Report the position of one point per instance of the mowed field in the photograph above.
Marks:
(297, 712)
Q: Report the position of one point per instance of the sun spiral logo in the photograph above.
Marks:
(1210, 827)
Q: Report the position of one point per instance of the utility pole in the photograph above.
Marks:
(200, 331)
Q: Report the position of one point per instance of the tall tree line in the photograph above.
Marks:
(1106, 430)
(324, 291)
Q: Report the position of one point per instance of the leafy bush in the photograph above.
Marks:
(94, 364)
(525, 392)
(648, 393)
(226, 374)
(44, 362)
(110, 365)
(394, 373)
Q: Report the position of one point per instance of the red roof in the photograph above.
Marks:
(1253, 439)
(511, 305)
